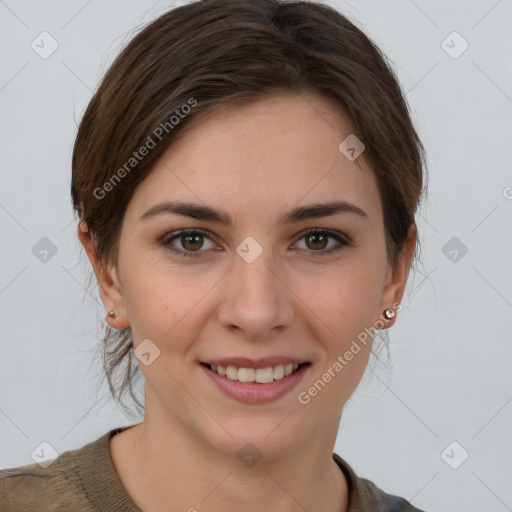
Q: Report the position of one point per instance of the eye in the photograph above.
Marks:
(191, 240)
(318, 241)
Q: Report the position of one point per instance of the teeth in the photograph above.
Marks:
(232, 372)
(246, 374)
(260, 375)
(264, 375)
(278, 371)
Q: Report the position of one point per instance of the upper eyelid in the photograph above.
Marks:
(168, 237)
(185, 231)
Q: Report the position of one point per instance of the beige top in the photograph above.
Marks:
(85, 480)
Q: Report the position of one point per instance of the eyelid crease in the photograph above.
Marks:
(342, 239)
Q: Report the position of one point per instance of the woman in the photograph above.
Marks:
(245, 179)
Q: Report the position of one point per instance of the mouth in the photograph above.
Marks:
(255, 385)
(255, 375)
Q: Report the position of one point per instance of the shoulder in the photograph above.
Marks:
(385, 502)
(365, 495)
(54, 486)
(27, 487)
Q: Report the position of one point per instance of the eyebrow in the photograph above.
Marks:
(207, 213)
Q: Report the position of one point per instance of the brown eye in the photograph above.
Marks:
(191, 242)
(317, 241)
(187, 242)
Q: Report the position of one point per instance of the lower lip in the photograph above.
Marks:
(254, 393)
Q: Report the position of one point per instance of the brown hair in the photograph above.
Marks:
(207, 55)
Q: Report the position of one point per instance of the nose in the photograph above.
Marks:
(255, 299)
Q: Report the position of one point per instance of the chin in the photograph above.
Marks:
(258, 437)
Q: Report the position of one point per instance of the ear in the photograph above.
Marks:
(396, 280)
(108, 282)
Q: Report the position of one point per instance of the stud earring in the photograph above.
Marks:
(111, 314)
(389, 314)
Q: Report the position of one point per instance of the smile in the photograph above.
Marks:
(255, 385)
(259, 375)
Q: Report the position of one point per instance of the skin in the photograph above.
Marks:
(255, 162)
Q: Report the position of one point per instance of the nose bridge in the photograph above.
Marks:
(254, 299)
(255, 278)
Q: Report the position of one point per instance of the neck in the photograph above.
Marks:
(161, 462)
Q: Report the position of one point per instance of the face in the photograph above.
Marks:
(258, 280)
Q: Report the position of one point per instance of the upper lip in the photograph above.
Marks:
(244, 362)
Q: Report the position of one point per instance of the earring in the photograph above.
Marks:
(111, 314)
(389, 314)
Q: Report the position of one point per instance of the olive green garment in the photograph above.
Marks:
(85, 480)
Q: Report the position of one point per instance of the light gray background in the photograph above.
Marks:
(451, 348)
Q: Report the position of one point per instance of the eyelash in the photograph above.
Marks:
(167, 239)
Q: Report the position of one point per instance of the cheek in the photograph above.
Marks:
(166, 300)
(345, 306)
(344, 297)
(162, 300)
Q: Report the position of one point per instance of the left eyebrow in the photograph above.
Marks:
(316, 210)
(207, 213)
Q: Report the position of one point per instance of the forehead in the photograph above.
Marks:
(263, 157)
